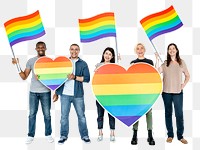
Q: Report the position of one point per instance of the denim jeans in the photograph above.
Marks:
(100, 113)
(80, 111)
(45, 100)
(148, 120)
(177, 100)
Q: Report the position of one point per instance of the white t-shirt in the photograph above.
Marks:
(69, 84)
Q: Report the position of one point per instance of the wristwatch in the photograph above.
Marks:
(74, 77)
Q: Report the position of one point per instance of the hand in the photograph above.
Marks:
(15, 61)
(37, 77)
(157, 56)
(55, 97)
(182, 86)
(119, 57)
(71, 76)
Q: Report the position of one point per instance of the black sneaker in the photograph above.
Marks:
(62, 140)
(87, 140)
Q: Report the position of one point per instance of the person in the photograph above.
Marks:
(38, 92)
(72, 92)
(108, 56)
(172, 70)
(140, 51)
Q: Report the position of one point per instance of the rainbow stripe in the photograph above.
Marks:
(127, 95)
(97, 27)
(161, 23)
(53, 73)
(24, 28)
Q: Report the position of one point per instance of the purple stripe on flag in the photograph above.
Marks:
(27, 38)
(98, 37)
(128, 120)
(166, 31)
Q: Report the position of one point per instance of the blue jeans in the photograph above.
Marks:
(45, 100)
(100, 113)
(177, 100)
(80, 111)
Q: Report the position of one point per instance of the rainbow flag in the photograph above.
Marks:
(24, 28)
(161, 23)
(127, 95)
(97, 27)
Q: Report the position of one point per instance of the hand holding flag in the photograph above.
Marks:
(24, 28)
(161, 23)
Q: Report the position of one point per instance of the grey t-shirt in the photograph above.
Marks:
(36, 85)
(99, 65)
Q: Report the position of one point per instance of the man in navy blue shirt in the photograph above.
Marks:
(72, 92)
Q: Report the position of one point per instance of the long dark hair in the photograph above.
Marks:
(178, 59)
(113, 54)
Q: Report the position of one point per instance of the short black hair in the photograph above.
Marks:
(39, 43)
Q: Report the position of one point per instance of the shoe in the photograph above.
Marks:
(49, 138)
(100, 138)
(151, 141)
(150, 138)
(112, 138)
(62, 140)
(184, 141)
(29, 140)
(86, 140)
(134, 139)
(169, 139)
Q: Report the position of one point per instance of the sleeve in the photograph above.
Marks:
(151, 62)
(185, 70)
(86, 74)
(28, 64)
(97, 65)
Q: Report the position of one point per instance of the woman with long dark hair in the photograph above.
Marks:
(108, 56)
(173, 68)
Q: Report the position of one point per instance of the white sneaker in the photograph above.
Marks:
(100, 138)
(29, 140)
(112, 138)
(49, 138)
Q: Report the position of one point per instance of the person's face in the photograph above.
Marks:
(172, 50)
(40, 48)
(107, 56)
(74, 51)
(140, 51)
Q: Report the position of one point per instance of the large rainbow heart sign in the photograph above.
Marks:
(127, 95)
(53, 73)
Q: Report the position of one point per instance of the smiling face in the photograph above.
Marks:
(172, 51)
(140, 51)
(107, 56)
(74, 51)
(41, 48)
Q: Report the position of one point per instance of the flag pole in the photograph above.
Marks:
(156, 51)
(17, 64)
(117, 53)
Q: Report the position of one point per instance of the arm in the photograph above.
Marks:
(160, 70)
(84, 78)
(23, 74)
(187, 78)
(187, 75)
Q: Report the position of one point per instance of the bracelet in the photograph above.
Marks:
(75, 78)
